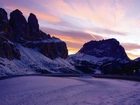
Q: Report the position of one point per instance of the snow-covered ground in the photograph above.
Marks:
(31, 61)
(37, 90)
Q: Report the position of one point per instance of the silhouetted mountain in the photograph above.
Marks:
(29, 35)
(105, 56)
(104, 48)
(27, 49)
(3, 20)
(19, 26)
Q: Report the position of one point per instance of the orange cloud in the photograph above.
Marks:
(132, 56)
(132, 49)
(47, 17)
(72, 50)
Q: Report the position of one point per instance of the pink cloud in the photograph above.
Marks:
(131, 46)
(42, 15)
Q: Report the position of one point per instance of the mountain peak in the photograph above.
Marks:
(27, 33)
(3, 14)
(104, 48)
(16, 11)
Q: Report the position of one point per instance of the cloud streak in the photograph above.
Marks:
(131, 46)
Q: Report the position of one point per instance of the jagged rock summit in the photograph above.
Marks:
(28, 34)
(25, 49)
(3, 20)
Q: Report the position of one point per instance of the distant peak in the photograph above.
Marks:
(104, 48)
(16, 11)
(1, 9)
(31, 14)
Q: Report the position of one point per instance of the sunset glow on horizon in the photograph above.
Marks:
(79, 21)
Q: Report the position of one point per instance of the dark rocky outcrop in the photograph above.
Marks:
(3, 21)
(52, 49)
(8, 49)
(34, 32)
(136, 66)
(104, 48)
(118, 67)
(33, 23)
(48, 46)
(19, 26)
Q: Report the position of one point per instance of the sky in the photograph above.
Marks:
(79, 21)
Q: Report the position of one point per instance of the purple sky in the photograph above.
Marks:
(79, 21)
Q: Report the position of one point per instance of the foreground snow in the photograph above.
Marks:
(37, 90)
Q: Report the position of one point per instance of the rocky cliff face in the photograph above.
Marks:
(28, 34)
(52, 48)
(3, 20)
(19, 26)
(8, 49)
(24, 48)
(105, 56)
(104, 48)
